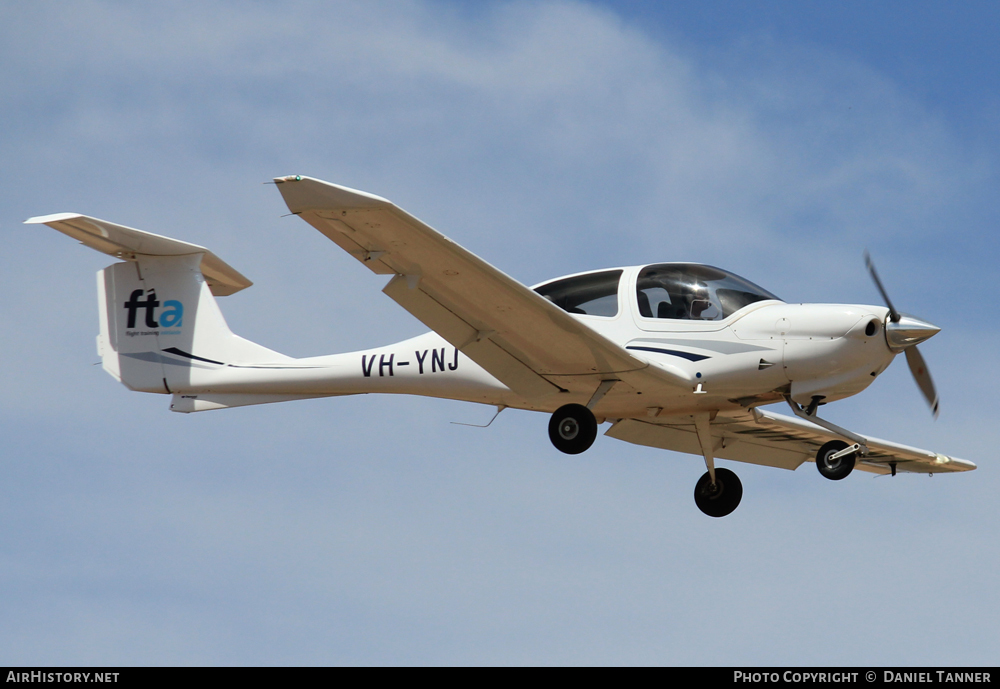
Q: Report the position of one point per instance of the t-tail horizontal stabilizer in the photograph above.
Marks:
(130, 244)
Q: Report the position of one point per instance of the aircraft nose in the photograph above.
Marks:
(908, 331)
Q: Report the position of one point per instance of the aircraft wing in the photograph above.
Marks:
(522, 339)
(761, 437)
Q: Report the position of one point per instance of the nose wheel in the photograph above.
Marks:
(720, 498)
(832, 462)
(572, 428)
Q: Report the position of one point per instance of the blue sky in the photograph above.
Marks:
(778, 140)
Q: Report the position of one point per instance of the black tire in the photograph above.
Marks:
(572, 428)
(722, 498)
(839, 468)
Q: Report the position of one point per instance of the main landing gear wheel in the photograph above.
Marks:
(720, 498)
(834, 469)
(572, 428)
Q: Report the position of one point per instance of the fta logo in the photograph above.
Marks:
(171, 316)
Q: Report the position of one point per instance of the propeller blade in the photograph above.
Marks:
(893, 313)
(923, 377)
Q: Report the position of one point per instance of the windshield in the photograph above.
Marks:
(691, 291)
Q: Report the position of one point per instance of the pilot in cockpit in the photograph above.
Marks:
(688, 300)
(692, 292)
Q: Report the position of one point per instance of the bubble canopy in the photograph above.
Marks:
(678, 291)
(692, 291)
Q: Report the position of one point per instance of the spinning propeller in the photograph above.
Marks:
(903, 333)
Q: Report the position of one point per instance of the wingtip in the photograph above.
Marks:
(54, 217)
(314, 194)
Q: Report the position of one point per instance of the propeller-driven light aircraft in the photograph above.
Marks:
(679, 356)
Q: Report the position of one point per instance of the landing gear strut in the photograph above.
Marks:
(572, 428)
(721, 497)
(719, 491)
(833, 463)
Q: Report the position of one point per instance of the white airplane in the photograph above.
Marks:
(679, 356)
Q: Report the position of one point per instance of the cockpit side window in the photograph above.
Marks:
(594, 294)
(689, 291)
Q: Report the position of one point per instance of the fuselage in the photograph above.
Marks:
(737, 344)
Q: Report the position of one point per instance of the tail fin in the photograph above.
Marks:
(161, 329)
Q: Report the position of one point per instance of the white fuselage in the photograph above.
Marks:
(755, 356)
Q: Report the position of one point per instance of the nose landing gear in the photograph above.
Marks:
(835, 460)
